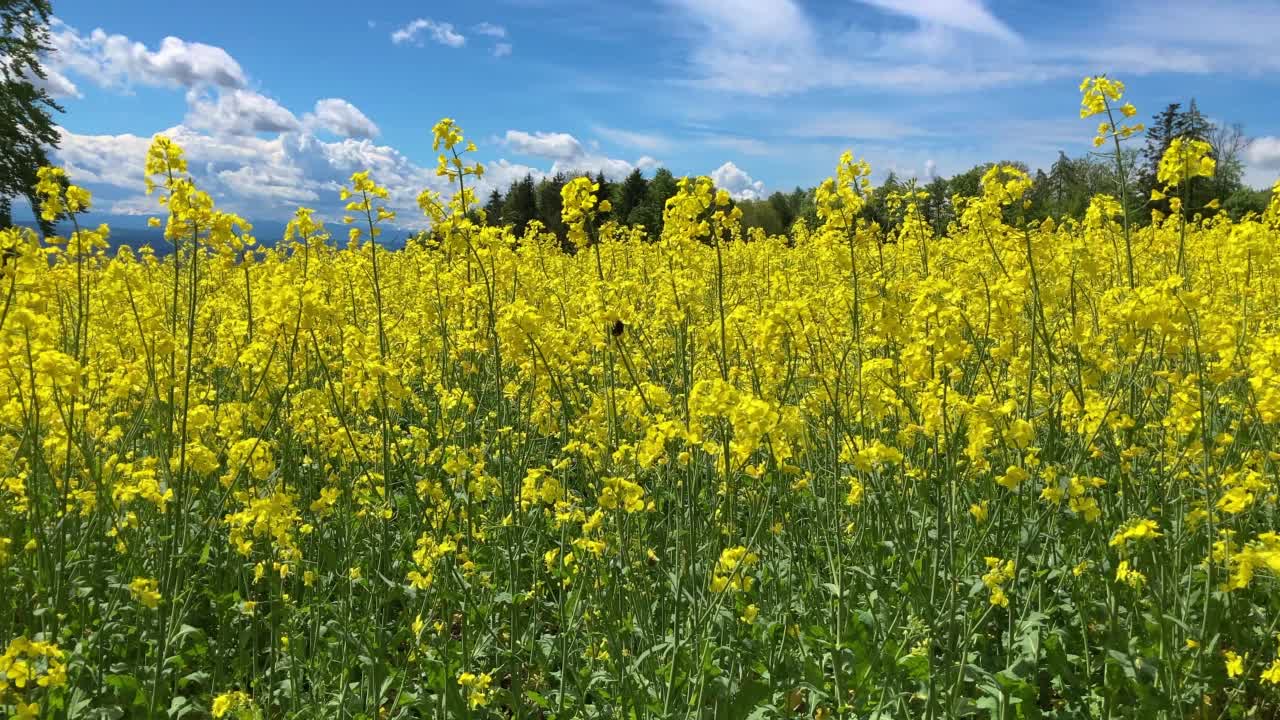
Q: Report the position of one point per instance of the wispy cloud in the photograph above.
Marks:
(648, 142)
(960, 46)
(966, 15)
(854, 125)
(440, 32)
(491, 30)
(744, 145)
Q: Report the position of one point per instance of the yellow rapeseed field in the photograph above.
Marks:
(1011, 470)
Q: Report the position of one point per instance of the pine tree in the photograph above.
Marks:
(520, 206)
(1173, 122)
(27, 131)
(1193, 125)
(629, 195)
(1163, 129)
(782, 209)
(493, 208)
(550, 204)
(661, 188)
(605, 191)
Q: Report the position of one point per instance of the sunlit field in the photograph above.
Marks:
(1009, 468)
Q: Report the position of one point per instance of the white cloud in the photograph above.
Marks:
(587, 164)
(254, 155)
(238, 112)
(442, 33)
(930, 169)
(116, 61)
(762, 51)
(501, 173)
(54, 83)
(967, 15)
(1238, 35)
(570, 157)
(114, 160)
(493, 31)
(1262, 160)
(777, 49)
(550, 145)
(342, 118)
(502, 50)
(737, 182)
(773, 23)
(257, 177)
(135, 205)
(268, 177)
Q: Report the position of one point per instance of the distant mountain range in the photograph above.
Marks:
(132, 231)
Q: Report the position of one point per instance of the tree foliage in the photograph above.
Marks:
(27, 130)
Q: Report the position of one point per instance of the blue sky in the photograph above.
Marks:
(278, 101)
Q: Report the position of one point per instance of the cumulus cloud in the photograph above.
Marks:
(1262, 162)
(589, 164)
(502, 49)
(1264, 152)
(257, 176)
(570, 156)
(115, 60)
(114, 160)
(54, 83)
(439, 32)
(550, 145)
(342, 118)
(238, 112)
(265, 177)
(737, 182)
(253, 154)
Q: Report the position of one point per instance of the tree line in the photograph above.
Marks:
(1063, 190)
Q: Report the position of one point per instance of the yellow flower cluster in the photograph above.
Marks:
(999, 573)
(27, 665)
(477, 688)
(146, 591)
(732, 570)
(1184, 159)
(236, 704)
